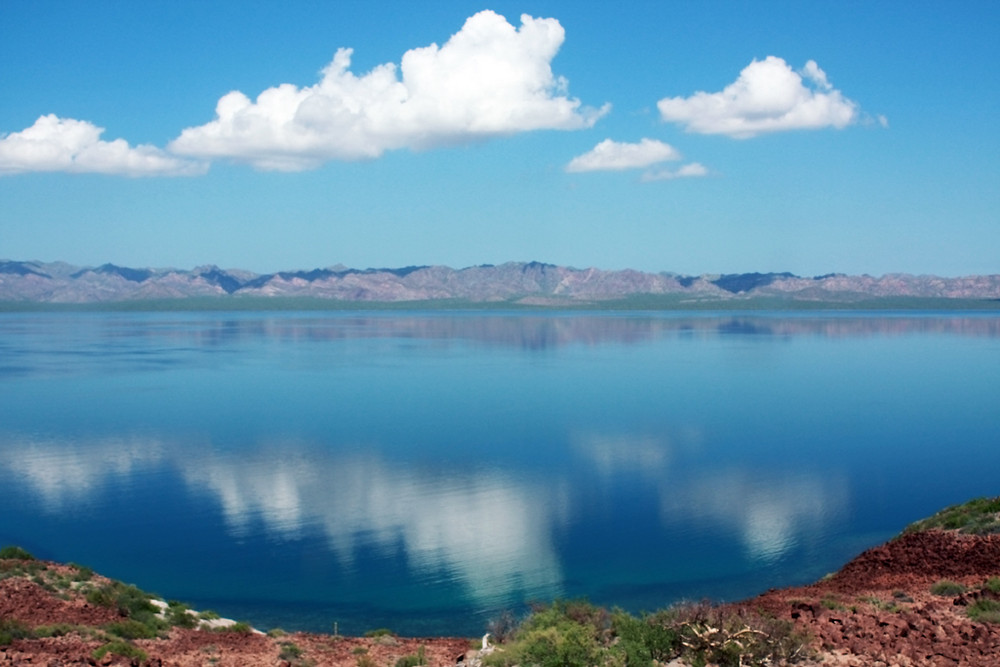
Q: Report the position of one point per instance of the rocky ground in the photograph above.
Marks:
(878, 610)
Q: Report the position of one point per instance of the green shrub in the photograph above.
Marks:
(646, 639)
(122, 648)
(947, 588)
(11, 629)
(208, 615)
(380, 632)
(413, 659)
(365, 660)
(83, 573)
(984, 611)
(980, 516)
(179, 615)
(56, 630)
(127, 599)
(240, 627)
(131, 629)
(15, 553)
(993, 585)
(290, 652)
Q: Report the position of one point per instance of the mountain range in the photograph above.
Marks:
(513, 283)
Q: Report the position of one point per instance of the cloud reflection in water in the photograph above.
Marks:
(487, 531)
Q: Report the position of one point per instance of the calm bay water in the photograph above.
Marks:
(422, 471)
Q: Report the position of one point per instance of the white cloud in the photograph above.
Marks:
(615, 156)
(768, 96)
(489, 79)
(691, 170)
(66, 144)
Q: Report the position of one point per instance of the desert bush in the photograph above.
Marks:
(55, 630)
(11, 629)
(947, 588)
(984, 611)
(290, 651)
(380, 632)
(83, 573)
(647, 639)
(980, 516)
(365, 660)
(502, 626)
(413, 659)
(567, 635)
(179, 615)
(239, 626)
(122, 648)
(737, 638)
(15, 553)
(992, 585)
(131, 629)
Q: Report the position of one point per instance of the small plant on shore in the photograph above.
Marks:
(239, 626)
(502, 626)
(413, 659)
(131, 629)
(947, 588)
(581, 635)
(15, 553)
(11, 629)
(83, 573)
(57, 630)
(208, 615)
(380, 632)
(122, 648)
(290, 651)
(984, 611)
(980, 516)
(180, 615)
(365, 660)
(832, 603)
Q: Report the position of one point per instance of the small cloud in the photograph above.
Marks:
(692, 170)
(616, 156)
(768, 96)
(66, 144)
(812, 72)
(489, 79)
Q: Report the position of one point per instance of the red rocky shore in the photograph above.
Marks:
(878, 610)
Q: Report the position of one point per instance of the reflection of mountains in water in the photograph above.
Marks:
(540, 332)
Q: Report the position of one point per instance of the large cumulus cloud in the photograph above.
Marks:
(488, 79)
(768, 96)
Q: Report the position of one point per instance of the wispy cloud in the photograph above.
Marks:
(691, 170)
(616, 156)
(66, 144)
(489, 79)
(768, 96)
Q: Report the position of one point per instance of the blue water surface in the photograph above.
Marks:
(425, 471)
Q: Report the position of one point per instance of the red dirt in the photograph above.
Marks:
(878, 610)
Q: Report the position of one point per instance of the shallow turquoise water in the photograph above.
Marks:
(422, 471)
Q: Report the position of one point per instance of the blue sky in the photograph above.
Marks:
(695, 137)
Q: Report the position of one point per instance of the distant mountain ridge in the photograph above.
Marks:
(522, 283)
